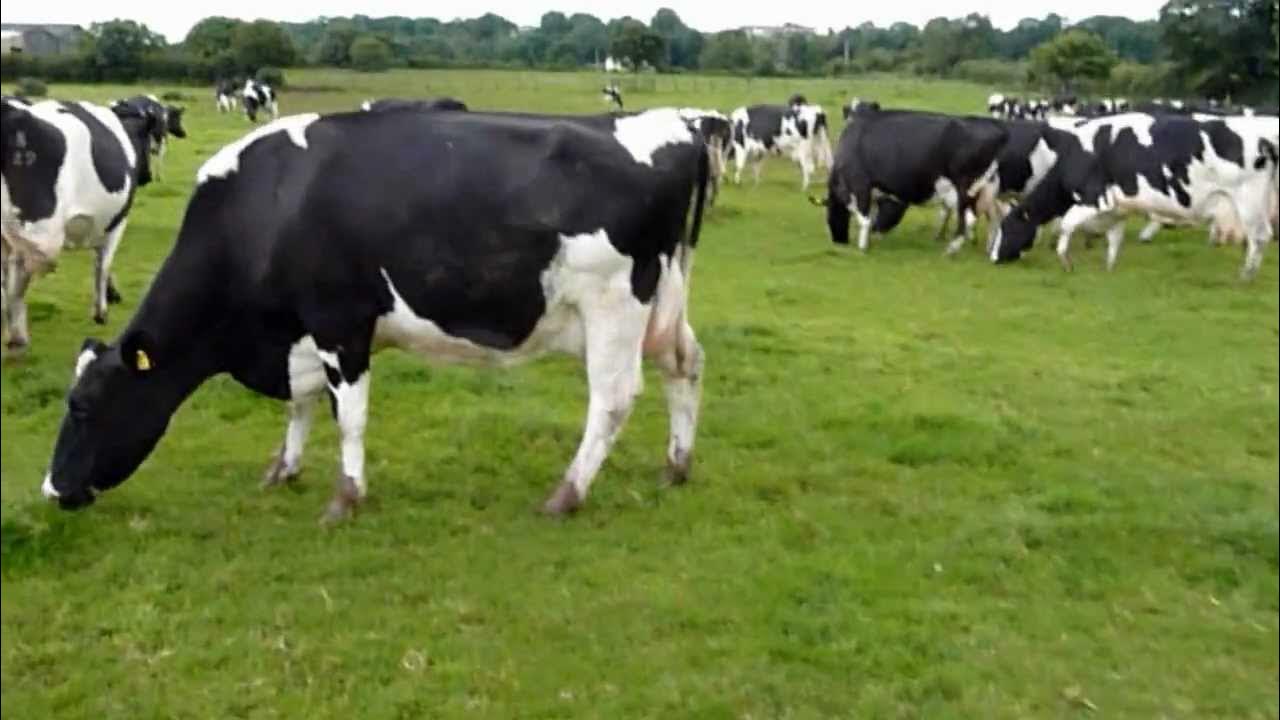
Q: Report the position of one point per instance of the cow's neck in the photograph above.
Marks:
(185, 320)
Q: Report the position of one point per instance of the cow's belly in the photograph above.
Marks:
(584, 274)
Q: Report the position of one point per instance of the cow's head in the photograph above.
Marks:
(174, 116)
(117, 410)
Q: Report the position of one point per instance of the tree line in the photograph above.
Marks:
(1209, 48)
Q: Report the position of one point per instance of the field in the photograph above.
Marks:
(924, 488)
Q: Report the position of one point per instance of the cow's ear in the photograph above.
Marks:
(137, 352)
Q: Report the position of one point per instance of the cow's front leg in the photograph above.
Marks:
(287, 463)
(614, 326)
(17, 280)
(962, 228)
(681, 365)
(102, 285)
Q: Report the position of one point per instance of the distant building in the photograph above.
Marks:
(772, 31)
(41, 39)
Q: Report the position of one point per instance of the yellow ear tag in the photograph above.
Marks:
(142, 361)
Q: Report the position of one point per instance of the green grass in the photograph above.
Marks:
(924, 488)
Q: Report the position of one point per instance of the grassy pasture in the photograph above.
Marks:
(924, 488)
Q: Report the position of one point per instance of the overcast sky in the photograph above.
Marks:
(174, 19)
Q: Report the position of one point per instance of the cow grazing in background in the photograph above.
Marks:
(1168, 166)
(903, 154)
(167, 120)
(69, 176)
(298, 258)
(797, 131)
(858, 105)
(612, 96)
(224, 94)
(259, 96)
(431, 104)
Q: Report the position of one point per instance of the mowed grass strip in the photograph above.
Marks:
(923, 488)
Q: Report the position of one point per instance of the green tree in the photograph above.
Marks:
(1139, 41)
(334, 46)
(370, 54)
(589, 36)
(1028, 33)
(633, 41)
(728, 50)
(119, 46)
(260, 43)
(210, 37)
(1222, 47)
(1073, 56)
(555, 24)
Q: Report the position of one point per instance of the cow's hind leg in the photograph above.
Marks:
(681, 365)
(614, 327)
(1115, 238)
(102, 285)
(345, 359)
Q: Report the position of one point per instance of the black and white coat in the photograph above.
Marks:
(297, 259)
(798, 131)
(166, 119)
(224, 95)
(69, 176)
(259, 96)
(1221, 170)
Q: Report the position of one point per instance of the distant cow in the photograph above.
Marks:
(798, 131)
(167, 120)
(259, 96)
(1168, 166)
(717, 133)
(904, 154)
(612, 95)
(224, 94)
(858, 105)
(69, 175)
(313, 241)
(440, 103)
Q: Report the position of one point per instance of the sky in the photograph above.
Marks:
(174, 19)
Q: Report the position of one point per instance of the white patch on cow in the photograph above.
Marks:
(644, 134)
(1042, 158)
(367, 105)
(586, 268)
(47, 489)
(306, 368)
(227, 160)
(82, 362)
(352, 400)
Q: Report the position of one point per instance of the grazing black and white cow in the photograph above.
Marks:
(167, 121)
(69, 175)
(298, 258)
(224, 94)
(612, 96)
(259, 96)
(1168, 166)
(798, 131)
(432, 104)
(904, 154)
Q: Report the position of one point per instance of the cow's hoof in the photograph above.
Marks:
(343, 505)
(277, 472)
(1066, 263)
(678, 467)
(17, 347)
(564, 501)
(100, 318)
(113, 295)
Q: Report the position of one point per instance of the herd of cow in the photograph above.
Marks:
(492, 237)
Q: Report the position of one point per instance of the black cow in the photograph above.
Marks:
(69, 176)
(462, 236)
(430, 104)
(906, 155)
(167, 121)
(612, 95)
(1157, 165)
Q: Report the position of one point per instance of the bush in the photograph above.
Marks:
(369, 54)
(272, 76)
(32, 87)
